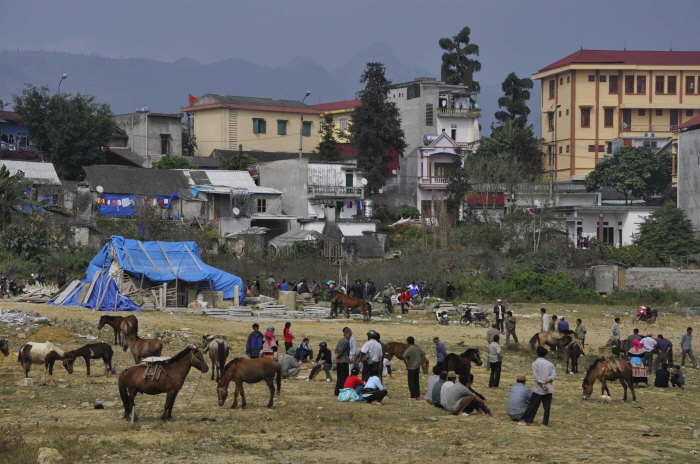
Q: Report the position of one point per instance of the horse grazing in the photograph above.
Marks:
(4, 347)
(218, 351)
(133, 380)
(573, 352)
(141, 347)
(397, 349)
(548, 339)
(121, 325)
(90, 351)
(350, 302)
(39, 353)
(241, 370)
(461, 363)
(601, 370)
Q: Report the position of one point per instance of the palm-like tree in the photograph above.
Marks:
(457, 68)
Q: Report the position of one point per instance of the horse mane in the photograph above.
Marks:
(229, 363)
(591, 367)
(188, 349)
(469, 351)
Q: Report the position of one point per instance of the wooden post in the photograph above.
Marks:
(236, 296)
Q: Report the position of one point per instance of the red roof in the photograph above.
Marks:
(628, 57)
(689, 123)
(341, 105)
(9, 115)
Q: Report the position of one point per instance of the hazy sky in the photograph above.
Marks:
(520, 36)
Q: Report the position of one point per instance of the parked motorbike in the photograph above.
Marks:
(479, 318)
(645, 314)
(442, 317)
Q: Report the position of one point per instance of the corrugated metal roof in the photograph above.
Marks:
(233, 179)
(128, 155)
(39, 173)
(137, 181)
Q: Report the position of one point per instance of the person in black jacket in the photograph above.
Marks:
(61, 278)
(357, 289)
(500, 311)
(255, 342)
(323, 361)
(371, 290)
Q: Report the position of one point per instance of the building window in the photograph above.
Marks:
(429, 114)
(164, 144)
(649, 144)
(690, 84)
(320, 125)
(688, 112)
(659, 112)
(671, 86)
(567, 112)
(629, 84)
(567, 148)
(601, 148)
(568, 79)
(259, 126)
(660, 84)
(261, 204)
(560, 149)
(442, 169)
(281, 127)
(591, 148)
(612, 84)
(306, 129)
(641, 84)
(561, 81)
(603, 78)
(609, 144)
(674, 117)
(550, 118)
(585, 117)
(551, 88)
(343, 123)
(591, 78)
(641, 112)
(560, 113)
(608, 119)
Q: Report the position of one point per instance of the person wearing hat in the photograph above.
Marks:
(269, 341)
(544, 374)
(323, 361)
(518, 398)
(253, 346)
(500, 311)
(445, 389)
(649, 344)
(342, 360)
(289, 366)
(61, 278)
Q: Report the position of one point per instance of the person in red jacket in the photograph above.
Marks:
(288, 336)
(404, 299)
(353, 381)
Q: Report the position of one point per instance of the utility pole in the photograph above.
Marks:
(301, 126)
(552, 154)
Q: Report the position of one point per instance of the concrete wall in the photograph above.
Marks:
(290, 177)
(689, 175)
(145, 135)
(647, 278)
(605, 278)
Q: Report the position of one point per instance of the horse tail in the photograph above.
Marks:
(279, 380)
(532, 341)
(223, 354)
(124, 394)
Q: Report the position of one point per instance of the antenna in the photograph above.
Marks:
(581, 43)
(670, 45)
(625, 44)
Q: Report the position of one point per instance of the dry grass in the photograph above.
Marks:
(309, 425)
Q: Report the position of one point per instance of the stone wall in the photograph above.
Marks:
(647, 278)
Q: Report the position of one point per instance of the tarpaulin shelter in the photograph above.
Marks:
(103, 295)
(163, 262)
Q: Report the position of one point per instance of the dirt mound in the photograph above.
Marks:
(51, 334)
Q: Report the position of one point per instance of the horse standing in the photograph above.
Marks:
(133, 381)
(39, 353)
(241, 370)
(4, 347)
(397, 349)
(461, 363)
(121, 325)
(218, 351)
(573, 352)
(90, 351)
(548, 339)
(601, 370)
(350, 302)
(141, 347)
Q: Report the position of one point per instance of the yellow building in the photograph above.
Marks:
(252, 124)
(342, 116)
(594, 96)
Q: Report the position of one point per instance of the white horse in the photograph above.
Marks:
(218, 351)
(39, 353)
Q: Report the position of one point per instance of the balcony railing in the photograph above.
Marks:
(334, 191)
(473, 112)
(645, 128)
(435, 180)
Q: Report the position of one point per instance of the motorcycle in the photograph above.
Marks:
(479, 318)
(645, 314)
(442, 317)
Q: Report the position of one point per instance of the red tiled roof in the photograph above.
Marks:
(9, 115)
(341, 105)
(689, 123)
(281, 109)
(628, 57)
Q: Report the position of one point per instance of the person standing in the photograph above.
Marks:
(425, 292)
(663, 347)
(495, 359)
(371, 291)
(288, 336)
(500, 311)
(510, 327)
(649, 344)
(616, 329)
(413, 356)
(440, 354)
(285, 286)
(271, 286)
(544, 374)
(353, 347)
(386, 299)
(357, 290)
(269, 342)
(493, 331)
(342, 360)
(544, 320)
(373, 350)
(580, 331)
(40, 278)
(518, 398)
(414, 290)
(687, 347)
(61, 278)
(253, 346)
(449, 291)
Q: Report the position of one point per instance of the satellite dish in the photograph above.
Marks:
(363, 181)
(236, 211)
(393, 171)
(381, 191)
(99, 189)
(625, 125)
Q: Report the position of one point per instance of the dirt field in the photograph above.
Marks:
(308, 424)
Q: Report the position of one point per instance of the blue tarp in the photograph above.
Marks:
(112, 204)
(105, 293)
(164, 262)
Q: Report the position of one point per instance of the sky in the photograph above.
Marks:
(513, 35)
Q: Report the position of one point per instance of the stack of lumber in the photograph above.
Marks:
(38, 293)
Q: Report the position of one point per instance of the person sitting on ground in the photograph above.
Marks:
(354, 382)
(518, 398)
(374, 391)
(323, 361)
(303, 353)
(677, 378)
(289, 366)
(432, 380)
(437, 388)
(447, 386)
(662, 376)
(461, 400)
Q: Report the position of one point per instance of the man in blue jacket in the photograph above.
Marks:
(255, 343)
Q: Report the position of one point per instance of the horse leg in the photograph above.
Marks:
(132, 403)
(169, 403)
(623, 382)
(87, 364)
(239, 387)
(242, 396)
(271, 386)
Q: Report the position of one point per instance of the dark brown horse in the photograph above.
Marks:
(90, 351)
(121, 325)
(39, 353)
(4, 347)
(141, 347)
(218, 351)
(462, 363)
(175, 370)
(397, 349)
(601, 370)
(548, 339)
(573, 352)
(350, 302)
(241, 370)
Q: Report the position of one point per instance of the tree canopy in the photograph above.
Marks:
(189, 141)
(14, 198)
(376, 128)
(328, 149)
(239, 162)
(635, 172)
(668, 233)
(172, 162)
(71, 131)
(516, 94)
(457, 68)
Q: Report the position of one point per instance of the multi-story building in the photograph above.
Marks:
(149, 135)
(591, 97)
(252, 124)
(341, 112)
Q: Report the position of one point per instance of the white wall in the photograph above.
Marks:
(356, 228)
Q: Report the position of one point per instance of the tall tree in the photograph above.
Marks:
(238, 162)
(635, 172)
(457, 68)
(516, 94)
(71, 131)
(328, 149)
(457, 188)
(172, 162)
(189, 141)
(668, 233)
(376, 128)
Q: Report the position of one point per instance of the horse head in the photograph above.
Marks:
(589, 378)
(335, 297)
(125, 341)
(4, 347)
(103, 321)
(476, 357)
(197, 361)
(68, 360)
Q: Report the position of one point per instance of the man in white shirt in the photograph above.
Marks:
(544, 374)
(432, 380)
(374, 354)
(616, 329)
(353, 347)
(544, 320)
(445, 389)
(648, 343)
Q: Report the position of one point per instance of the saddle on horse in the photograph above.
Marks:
(154, 367)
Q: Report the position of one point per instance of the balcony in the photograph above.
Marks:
(645, 128)
(463, 113)
(438, 182)
(335, 192)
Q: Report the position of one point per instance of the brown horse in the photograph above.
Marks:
(601, 370)
(132, 381)
(397, 349)
(350, 302)
(121, 325)
(462, 363)
(548, 339)
(241, 370)
(218, 351)
(39, 353)
(573, 352)
(90, 351)
(141, 347)
(4, 347)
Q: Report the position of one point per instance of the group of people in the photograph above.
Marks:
(641, 351)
